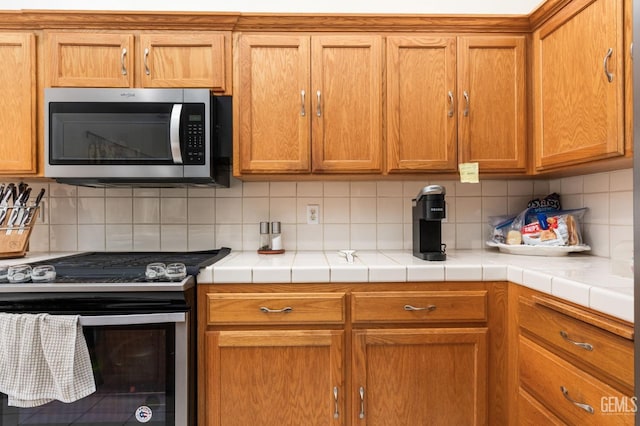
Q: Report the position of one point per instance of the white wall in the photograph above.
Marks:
(298, 6)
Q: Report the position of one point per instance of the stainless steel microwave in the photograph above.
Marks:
(145, 137)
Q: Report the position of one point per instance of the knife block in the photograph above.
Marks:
(14, 240)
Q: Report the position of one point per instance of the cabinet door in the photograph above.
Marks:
(18, 106)
(272, 104)
(492, 110)
(420, 377)
(78, 59)
(421, 119)
(578, 85)
(183, 60)
(285, 377)
(346, 74)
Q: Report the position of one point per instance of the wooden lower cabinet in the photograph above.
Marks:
(274, 377)
(352, 354)
(433, 376)
(574, 365)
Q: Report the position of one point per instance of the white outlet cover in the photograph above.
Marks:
(313, 214)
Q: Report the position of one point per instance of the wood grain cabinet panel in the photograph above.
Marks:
(273, 377)
(456, 99)
(85, 59)
(410, 306)
(420, 376)
(351, 354)
(308, 103)
(579, 85)
(18, 106)
(574, 365)
(75, 59)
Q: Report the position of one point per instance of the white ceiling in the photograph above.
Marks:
(294, 6)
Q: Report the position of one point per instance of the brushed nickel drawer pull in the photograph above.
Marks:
(336, 414)
(123, 66)
(318, 104)
(451, 104)
(585, 407)
(302, 102)
(585, 346)
(606, 65)
(147, 71)
(423, 308)
(465, 112)
(361, 415)
(276, 311)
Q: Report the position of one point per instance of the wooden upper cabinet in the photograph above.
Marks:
(346, 83)
(307, 103)
(74, 59)
(272, 104)
(421, 119)
(492, 108)
(456, 99)
(183, 60)
(18, 106)
(81, 59)
(579, 84)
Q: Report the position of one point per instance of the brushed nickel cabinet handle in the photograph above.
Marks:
(585, 346)
(147, 71)
(336, 414)
(451, 104)
(585, 407)
(361, 391)
(123, 66)
(606, 65)
(466, 108)
(285, 310)
(420, 308)
(302, 110)
(318, 108)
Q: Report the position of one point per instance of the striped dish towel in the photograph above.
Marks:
(43, 358)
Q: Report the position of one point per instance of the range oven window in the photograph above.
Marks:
(134, 369)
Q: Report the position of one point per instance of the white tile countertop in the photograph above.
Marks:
(582, 279)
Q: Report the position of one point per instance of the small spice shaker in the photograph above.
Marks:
(265, 238)
(276, 238)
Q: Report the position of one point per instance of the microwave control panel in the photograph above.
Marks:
(193, 134)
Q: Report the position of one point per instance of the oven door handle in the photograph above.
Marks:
(100, 320)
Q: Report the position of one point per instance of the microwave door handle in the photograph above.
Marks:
(174, 133)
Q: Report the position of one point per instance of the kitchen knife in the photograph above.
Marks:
(18, 207)
(28, 216)
(4, 203)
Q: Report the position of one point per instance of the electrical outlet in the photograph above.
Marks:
(313, 214)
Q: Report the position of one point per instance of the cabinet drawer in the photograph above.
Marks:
(281, 308)
(560, 386)
(532, 413)
(602, 350)
(419, 306)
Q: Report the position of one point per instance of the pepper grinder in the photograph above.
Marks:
(265, 238)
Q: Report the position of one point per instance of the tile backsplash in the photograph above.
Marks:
(353, 214)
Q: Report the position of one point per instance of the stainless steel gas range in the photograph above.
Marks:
(140, 331)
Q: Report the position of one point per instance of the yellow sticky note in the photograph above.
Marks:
(468, 172)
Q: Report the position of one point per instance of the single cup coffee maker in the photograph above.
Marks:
(428, 211)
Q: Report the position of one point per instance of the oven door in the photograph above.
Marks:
(141, 369)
